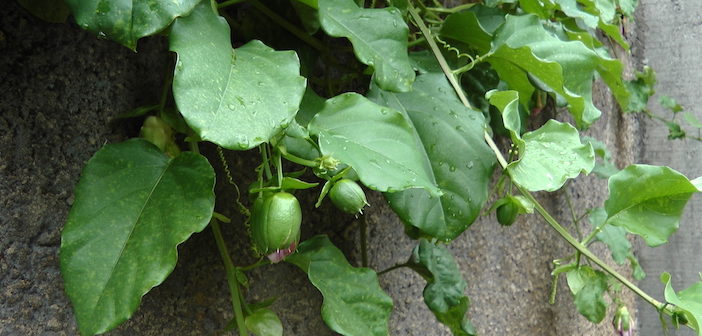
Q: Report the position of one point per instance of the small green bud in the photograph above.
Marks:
(348, 196)
(156, 131)
(275, 225)
(622, 321)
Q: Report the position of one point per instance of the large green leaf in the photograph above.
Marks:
(444, 293)
(474, 27)
(648, 201)
(689, 300)
(133, 206)
(354, 304)
(378, 142)
(236, 98)
(127, 21)
(450, 142)
(379, 38)
(588, 287)
(549, 155)
(524, 54)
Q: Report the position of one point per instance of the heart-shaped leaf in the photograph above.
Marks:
(444, 293)
(648, 201)
(354, 304)
(525, 54)
(450, 142)
(549, 155)
(689, 300)
(133, 206)
(379, 38)
(236, 98)
(588, 287)
(377, 141)
(129, 20)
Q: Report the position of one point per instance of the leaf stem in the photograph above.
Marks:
(364, 242)
(231, 277)
(229, 3)
(503, 163)
(298, 160)
(281, 21)
(392, 268)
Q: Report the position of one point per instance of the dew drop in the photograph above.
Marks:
(231, 107)
(452, 168)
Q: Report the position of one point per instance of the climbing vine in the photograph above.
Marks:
(402, 97)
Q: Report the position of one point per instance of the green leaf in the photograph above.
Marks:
(692, 120)
(613, 236)
(674, 130)
(354, 304)
(449, 140)
(604, 168)
(524, 52)
(670, 104)
(379, 38)
(54, 11)
(627, 7)
(133, 207)
(444, 293)
(588, 287)
(237, 98)
(129, 20)
(264, 322)
(648, 201)
(640, 89)
(474, 27)
(549, 156)
(689, 300)
(376, 141)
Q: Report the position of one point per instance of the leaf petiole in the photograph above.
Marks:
(231, 277)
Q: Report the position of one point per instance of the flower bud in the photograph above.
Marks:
(348, 196)
(622, 322)
(275, 225)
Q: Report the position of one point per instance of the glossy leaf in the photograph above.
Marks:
(129, 20)
(133, 207)
(549, 155)
(588, 287)
(648, 201)
(450, 142)
(354, 304)
(264, 322)
(237, 98)
(444, 293)
(524, 54)
(474, 27)
(689, 300)
(378, 142)
(379, 37)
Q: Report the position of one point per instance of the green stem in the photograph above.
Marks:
(364, 242)
(165, 89)
(229, 3)
(503, 163)
(393, 268)
(452, 9)
(266, 164)
(281, 21)
(298, 160)
(231, 278)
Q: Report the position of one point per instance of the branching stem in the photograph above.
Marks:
(503, 163)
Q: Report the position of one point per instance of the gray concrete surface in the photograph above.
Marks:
(61, 85)
(670, 40)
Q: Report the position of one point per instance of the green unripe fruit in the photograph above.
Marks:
(507, 213)
(275, 223)
(348, 196)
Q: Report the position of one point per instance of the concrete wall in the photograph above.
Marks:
(59, 88)
(670, 40)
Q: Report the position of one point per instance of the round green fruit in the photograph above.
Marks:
(507, 213)
(348, 196)
(275, 222)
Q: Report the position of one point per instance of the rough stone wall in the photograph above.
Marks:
(60, 86)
